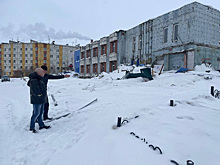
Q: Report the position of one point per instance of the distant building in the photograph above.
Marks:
(19, 59)
(184, 37)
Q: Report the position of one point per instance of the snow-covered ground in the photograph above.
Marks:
(189, 130)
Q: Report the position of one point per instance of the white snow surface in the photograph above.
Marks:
(188, 131)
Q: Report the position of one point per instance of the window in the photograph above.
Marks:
(57, 62)
(5, 67)
(5, 49)
(9, 61)
(103, 67)
(4, 61)
(95, 52)
(14, 67)
(26, 67)
(31, 49)
(175, 32)
(36, 49)
(103, 50)
(14, 49)
(31, 55)
(9, 55)
(20, 55)
(134, 44)
(9, 49)
(36, 61)
(57, 50)
(26, 61)
(14, 61)
(20, 49)
(45, 61)
(14, 55)
(45, 55)
(140, 42)
(82, 55)
(165, 35)
(113, 66)
(51, 56)
(0, 49)
(20, 67)
(9, 67)
(57, 56)
(31, 61)
(36, 55)
(45, 49)
(88, 68)
(20, 61)
(113, 47)
(26, 49)
(5, 55)
(88, 53)
(26, 55)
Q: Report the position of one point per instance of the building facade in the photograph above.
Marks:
(184, 37)
(103, 55)
(19, 59)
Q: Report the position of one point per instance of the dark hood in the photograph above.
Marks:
(34, 75)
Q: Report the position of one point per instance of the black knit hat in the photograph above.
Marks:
(44, 67)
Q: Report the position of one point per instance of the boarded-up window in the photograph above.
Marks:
(175, 32)
(165, 35)
(134, 44)
(140, 42)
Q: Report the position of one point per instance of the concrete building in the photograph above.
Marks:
(184, 37)
(17, 59)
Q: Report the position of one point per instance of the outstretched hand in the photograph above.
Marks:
(66, 76)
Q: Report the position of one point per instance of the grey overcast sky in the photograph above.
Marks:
(68, 21)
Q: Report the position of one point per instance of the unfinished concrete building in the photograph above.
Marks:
(184, 37)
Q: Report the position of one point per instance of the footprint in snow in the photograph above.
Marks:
(185, 117)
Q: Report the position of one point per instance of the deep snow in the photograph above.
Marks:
(189, 130)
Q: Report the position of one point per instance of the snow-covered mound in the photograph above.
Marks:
(203, 68)
(189, 130)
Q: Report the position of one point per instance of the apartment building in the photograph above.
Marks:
(185, 37)
(19, 59)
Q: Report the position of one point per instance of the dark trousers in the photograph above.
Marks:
(46, 109)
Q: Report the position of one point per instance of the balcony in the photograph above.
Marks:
(82, 61)
(113, 37)
(95, 44)
(113, 56)
(103, 58)
(95, 60)
(88, 61)
(88, 46)
(103, 41)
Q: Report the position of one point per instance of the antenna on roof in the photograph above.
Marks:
(48, 39)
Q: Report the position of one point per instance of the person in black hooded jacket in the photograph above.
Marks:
(38, 96)
(45, 79)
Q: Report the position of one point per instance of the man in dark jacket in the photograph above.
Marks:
(45, 79)
(38, 96)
